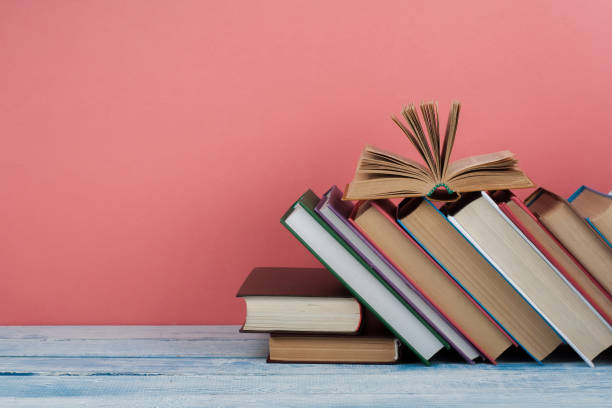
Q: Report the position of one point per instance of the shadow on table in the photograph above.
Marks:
(563, 354)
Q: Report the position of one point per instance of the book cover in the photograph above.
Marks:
(565, 262)
(470, 269)
(336, 213)
(476, 325)
(337, 251)
(596, 208)
(575, 233)
(283, 282)
(533, 276)
(335, 349)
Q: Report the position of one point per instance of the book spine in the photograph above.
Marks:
(601, 235)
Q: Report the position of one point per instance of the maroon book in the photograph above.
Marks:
(298, 300)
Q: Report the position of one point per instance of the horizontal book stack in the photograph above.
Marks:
(480, 274)
(313, 318)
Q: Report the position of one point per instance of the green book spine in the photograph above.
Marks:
(308, 201)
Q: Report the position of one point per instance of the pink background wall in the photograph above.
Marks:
(149, 148)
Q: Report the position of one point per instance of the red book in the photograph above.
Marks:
(556, 253)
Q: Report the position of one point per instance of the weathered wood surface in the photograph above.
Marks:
(194, 366)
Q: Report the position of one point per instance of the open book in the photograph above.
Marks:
(381, 174)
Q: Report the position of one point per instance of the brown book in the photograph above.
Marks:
(430, 228)
(575, 234)
(373, 345)
(376, 221)
(298, 300)
(381, 174)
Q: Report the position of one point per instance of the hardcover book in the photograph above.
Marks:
(373, 345)
(298, 300)
(574, 233)
(596, 209)
(381, 174)
(335, 212)
(376, 220)
(359, 278)
(556, 253)
(436, 235)
(479, 218)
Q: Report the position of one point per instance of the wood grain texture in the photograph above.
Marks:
(194, 366)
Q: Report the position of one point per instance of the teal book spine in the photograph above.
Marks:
(575, 195)
(506, 332)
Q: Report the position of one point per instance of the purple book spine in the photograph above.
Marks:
(342, 209)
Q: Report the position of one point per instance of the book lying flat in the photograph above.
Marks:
(357, 276)
(574, 233)
(596, 208)
(453, 252)
(479, 218)
(556, 253)
(376, 220)
(381, 174)
(373, 345)
(333, 349)
(298, 300)
(335, 213)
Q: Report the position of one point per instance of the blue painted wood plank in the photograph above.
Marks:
(202, 366)
(257, 366)
(402, 389)
(131, 341)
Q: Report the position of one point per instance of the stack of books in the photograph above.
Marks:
(481, 273)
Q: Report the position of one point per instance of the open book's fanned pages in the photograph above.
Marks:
(376, 221)
(575, 234)
(382, 174)
(556, 253)
(357, 276)
(335, 213)
(596, 208)
(462, 261)
(532, 275)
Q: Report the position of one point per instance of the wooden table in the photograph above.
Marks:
(194, 366)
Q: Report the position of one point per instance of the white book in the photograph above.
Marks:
(326, 246)
(389, 274)
(533, 276)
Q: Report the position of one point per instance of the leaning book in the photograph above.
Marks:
(302, 221)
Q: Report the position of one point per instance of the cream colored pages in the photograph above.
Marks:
(496, 295)
(376, 169)
(561, 257)
(436, 285)
(533, 276)
(576, 235)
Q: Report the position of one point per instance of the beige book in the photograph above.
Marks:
(574, 233)
(432, 230)
(433, 282)
(333, 349)
(381, 174)
(576, 272)
(530, 272)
